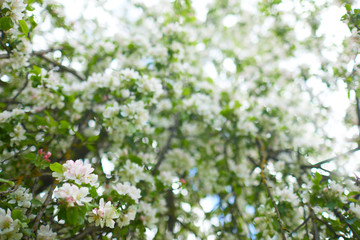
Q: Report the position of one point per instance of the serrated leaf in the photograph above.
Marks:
(348, 7)
(11, 183)
(317, 178)
(30, 156)
(93, 192)
(186, 91)
(5, 23)
(64, 124)
(93, 138)
(56, 167)
(90, 147)
(36, 203)
(23, 26)
(16, 214)
(135, 159)
(28, 232)
(72, 215)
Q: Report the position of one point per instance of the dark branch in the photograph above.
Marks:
(263, 179)
(318, 165)
(81, 235)
(342, 218)
(62, 67)
(162, 153)
(43, 208)
(300, 226)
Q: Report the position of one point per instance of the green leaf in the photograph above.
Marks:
(57, 167)
(332, 204)
(90, 147)
(186, 91)
(350, 221)
(317, 178)
(64, 124)
(36, 203)
(76, 215)
(30, 156)
(352, 200)
(28, 232)
(35, 81)
(16, 214)
(72, 215)
(93, 192)
(78, 135)
(93, 138)
(53, 123)
(135, 159)
(348, 7)
(24, 27)
(11, 183)
(36, 70)
(5, 23)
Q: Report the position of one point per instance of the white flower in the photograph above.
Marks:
(130, 74)
(104, 215)
(355, 209)
(79, 172)
(133, 172)
(17, 7)
(149, 212)
(126, 189)
(18, 134)
(9, 228)
(111, 111)
(22, 197)
(73, 194)
(5, 115)
(287, 194)
(125, 218)
(125, 93)
(45, 233)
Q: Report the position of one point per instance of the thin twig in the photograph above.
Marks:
(13, 189)
(43, 208)
(162, 153)
(317, 165)
(4, 56)
(62, 67)
(81, 235)
(300, 226)
(263, 178)
(22, 89)
(329, 227)
(342, 218)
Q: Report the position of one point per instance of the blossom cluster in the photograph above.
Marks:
(78, 171)
(177, 129)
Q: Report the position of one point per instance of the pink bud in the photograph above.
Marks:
(142, 218)
(182, 180)
(40, 151)
(326, 189)
(47, 155)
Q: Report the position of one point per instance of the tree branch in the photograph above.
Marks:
(22, 89)
(43, 208)
(41, 55)
(81, 235)
(342, 218)
(263, 178)
(300, 226)
(162, 153)
(318, 165)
